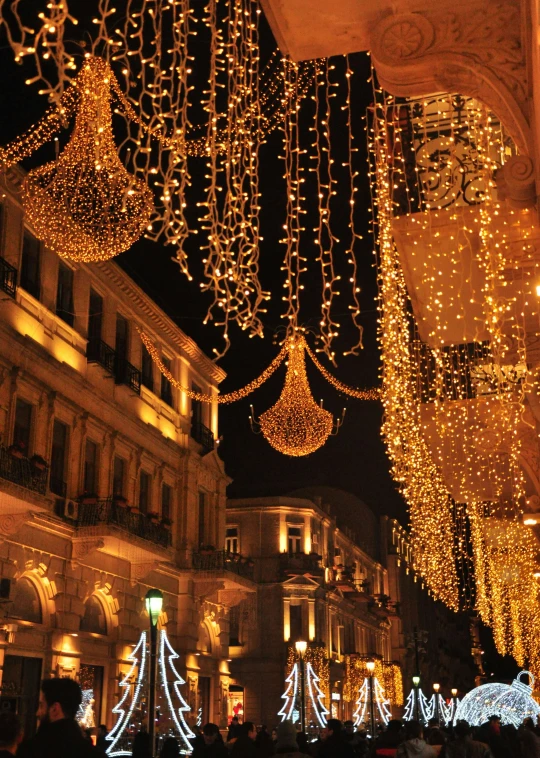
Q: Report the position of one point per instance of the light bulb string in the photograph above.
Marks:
(230, 397)
(368, 394)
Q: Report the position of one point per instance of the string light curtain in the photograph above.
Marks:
(455, 377)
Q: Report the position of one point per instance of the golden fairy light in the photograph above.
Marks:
(84, 205)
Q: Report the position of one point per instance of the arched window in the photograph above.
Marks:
(26, 602)
(94, 619)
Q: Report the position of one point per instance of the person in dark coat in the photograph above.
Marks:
(389, 740)
(234, 729)
(211, 745)
(170, 748)
(333, 743)
(287, 741)
(58, 735)
(10, 734)
(264, 743)
(141, 746)
(101, 742)
(244, 746)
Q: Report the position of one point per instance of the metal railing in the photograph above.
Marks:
(107, 511)
(221, 560)
(127, 374)
(203, 435)
(8, 277)
(22, 471)
(304, 562)
(98, 351)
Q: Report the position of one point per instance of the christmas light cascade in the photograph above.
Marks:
(133, 700)
(513, 703)
(314, 697)
(382, 709)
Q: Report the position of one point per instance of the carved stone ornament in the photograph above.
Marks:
(204, 589)
(475, 50)
(139, 571)
(230, 598)
(10, 523)
(516, 182)
(82, 547)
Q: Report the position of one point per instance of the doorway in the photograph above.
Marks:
(20, 684)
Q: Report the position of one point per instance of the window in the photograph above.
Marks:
(22, 431)
(231, 539)
(30, 264)
(166, 501)
(91, 455)
(119, 475)
(202, 515)
(26, 603)
(64, 294)
(147, 369)
(296, 622)
(95, 317)
(166, 389)
(94, 619)
(57, 480)
(122, 336)
(196, 409)
(294, 539)
(144, 492)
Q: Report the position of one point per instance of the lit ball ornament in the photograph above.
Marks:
(296, 425)
(513, 703)
(84, 205)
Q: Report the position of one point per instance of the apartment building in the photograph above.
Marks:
(110, 482)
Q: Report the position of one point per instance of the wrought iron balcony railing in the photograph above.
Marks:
(127, 374)
(8, 277)
(301, 563)
(108, 511)
(98, 351)
(221, 560)
(17, 468)
(203, 435)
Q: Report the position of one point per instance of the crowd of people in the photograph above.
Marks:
(60, 736)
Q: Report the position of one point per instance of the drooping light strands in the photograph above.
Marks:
(84, 205)
(296, 425)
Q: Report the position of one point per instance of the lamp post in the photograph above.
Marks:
(154, 603)
(301, 647)
(454, 703)
(416, 684)
(370, 665)
(436, 688)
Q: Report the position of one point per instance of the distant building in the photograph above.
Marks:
(351, 593)
(110, 482)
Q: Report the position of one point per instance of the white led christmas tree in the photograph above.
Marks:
(131, 709)
(290, 710)
(316, 711)
(425, 707)
(316, 695)
(381, 705)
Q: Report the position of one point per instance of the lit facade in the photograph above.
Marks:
(110, 482)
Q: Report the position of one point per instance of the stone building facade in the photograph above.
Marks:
(110, 482)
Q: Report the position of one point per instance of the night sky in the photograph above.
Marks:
(355, 460)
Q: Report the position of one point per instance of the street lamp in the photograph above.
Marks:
(301, 647)
(154, 603)
(454, 702)
(416, 684)
(370, 665)
(436, 688)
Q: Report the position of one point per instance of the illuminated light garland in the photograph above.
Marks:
(381, 702)
(316, 695)
(288, 711)
(315, 655)
(291, 709)
(513, 703)
(369, 394)
(138, 658)
(84, 205)
(168, 655)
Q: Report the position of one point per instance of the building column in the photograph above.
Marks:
(286, 618)
(311, 619)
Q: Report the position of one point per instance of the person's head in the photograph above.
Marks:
(234, 721)
(102, 730)
(210, 732)
(10, 731)
(462, 730)
(58, 699)
(436, 737)
(349, 726)
(394, 726)
(495, 722)
(433, 723)
(248, 729)
(333, 726)
(170, 748)
(286, 737)
(528, 723)
(413, 730)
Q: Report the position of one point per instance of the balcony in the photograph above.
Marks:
(204, 436)
(104, 512)
(301, 564)
(8, 277)
(221, 560)
(17, 468)
(127, 374)
(99, 352)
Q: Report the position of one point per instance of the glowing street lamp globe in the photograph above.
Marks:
(154, 603)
